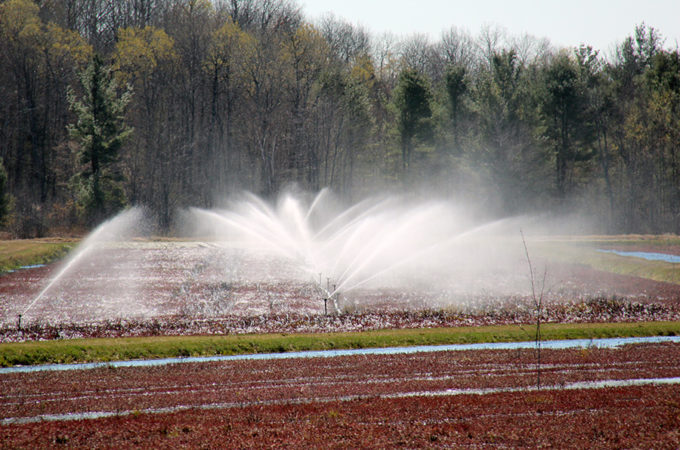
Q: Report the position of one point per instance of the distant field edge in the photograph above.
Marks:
(118, 349)
(18, 253)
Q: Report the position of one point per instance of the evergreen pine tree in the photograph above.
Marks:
(100, 132)
(412, 99)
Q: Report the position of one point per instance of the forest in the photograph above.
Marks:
(168, 104)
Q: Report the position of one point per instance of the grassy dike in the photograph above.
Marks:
(584, 251)
(95, 350)
(27, 252)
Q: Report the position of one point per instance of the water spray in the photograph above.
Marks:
(354, 246)
(109, 227)
(56, 278)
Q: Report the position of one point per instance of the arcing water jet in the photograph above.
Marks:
(376, 241)
(113, 229)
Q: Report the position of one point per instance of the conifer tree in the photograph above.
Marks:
(412, 99)
(100, 131)
(456, 86)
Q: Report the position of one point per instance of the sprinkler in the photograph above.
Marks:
(19, 322)
(328, 293)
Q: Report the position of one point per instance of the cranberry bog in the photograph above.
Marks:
(144, 288)
(618, 397)
(596, 397)
(298, 268)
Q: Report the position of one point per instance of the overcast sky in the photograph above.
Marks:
(600, 23)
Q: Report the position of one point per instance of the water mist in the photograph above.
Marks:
(388, 241)
(118, 228)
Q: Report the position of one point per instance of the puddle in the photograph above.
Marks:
(32, 266)
(556, 345)
(645, 255)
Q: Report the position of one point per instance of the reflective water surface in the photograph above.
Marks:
(555, 345)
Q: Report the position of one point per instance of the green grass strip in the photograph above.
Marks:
(95, 350)
(27, 252)
(609, 262)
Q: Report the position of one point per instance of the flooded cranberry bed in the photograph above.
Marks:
(588, 397)
(143, 287)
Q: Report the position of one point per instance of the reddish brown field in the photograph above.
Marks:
(471, 398)
(440, 399)
(174, 288)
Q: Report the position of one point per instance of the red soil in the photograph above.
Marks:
(192, 289)
(350, 402)
(334, 402)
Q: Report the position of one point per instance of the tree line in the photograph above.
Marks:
(105, 103)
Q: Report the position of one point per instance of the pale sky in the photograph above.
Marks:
(599, 23)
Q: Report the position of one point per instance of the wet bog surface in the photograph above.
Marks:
(628, 395)
(145, 280)
(216, 287)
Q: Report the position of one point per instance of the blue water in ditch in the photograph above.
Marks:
(556, 345)
(32, 266)
(646, 255)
